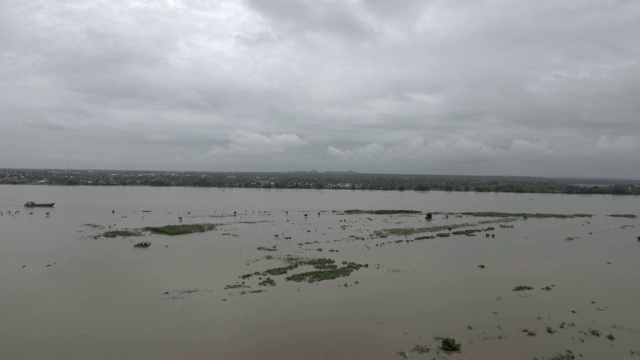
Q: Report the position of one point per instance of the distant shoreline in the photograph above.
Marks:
(320, 181)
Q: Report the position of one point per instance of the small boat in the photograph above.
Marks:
(33, 204)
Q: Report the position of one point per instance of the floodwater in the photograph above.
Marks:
(68, 293)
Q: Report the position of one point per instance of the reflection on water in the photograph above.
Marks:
(69, 293)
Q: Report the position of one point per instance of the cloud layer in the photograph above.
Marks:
(465, 87)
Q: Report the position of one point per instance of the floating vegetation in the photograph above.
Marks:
(280, 270)
(143, 245)
(628, 216)
(236, 286)
(410, 231)
(330, 274)
(524, 215)
(568, 355)
(262, 248)
(551, 330)
(381, 212)
(443, 234)
(246, 276)
(522, 288)
(424, 237)
(594, 332)
(121, 233)
(450, 345)
(267, 282)
(468, 232)
(181, 229)
(529, 332)
(421, 349)
(611, 337)
(571, 238)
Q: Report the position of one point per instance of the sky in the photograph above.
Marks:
(460, 87)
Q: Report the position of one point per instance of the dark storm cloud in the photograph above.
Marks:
(465, 87)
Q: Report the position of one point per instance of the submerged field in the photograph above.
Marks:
(301, 274)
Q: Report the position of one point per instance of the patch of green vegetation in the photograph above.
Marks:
(421, 349)
(410, 231)
(443, 234)
(450, 345)
(267, 282)
(468, 232)
(594, 332)
(236, 286)
(280, 270)
(529, 332)
(328, 274)
(522, 288)
(568, 355)
(381, 212)
(181, 229)
(551, 330)
(262, 248)
(524, 215)
(628, 216)
(246, 276)
(611, 337)
(121, 233)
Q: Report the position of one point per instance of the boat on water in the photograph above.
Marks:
(33, 204)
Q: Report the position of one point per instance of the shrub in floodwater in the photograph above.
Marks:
(568, 355)
(421, 349)
(522, 288)
(121, 233)
(181, 229)
(450, 345)
(267, 282)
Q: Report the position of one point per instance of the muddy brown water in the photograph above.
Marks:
(66, 294)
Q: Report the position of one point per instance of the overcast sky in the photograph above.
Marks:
(540, 88)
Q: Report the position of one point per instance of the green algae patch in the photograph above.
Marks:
(173, 230)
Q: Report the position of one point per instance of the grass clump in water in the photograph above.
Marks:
(381, 212)
(522, 288)
(267, 282)
(121, 233)
(328, 274)
(280, 270)
(262, 248)
(524, 215)
(421, 349)
(450, 345)
(628, 216)
(568, 355)
(181, 229)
